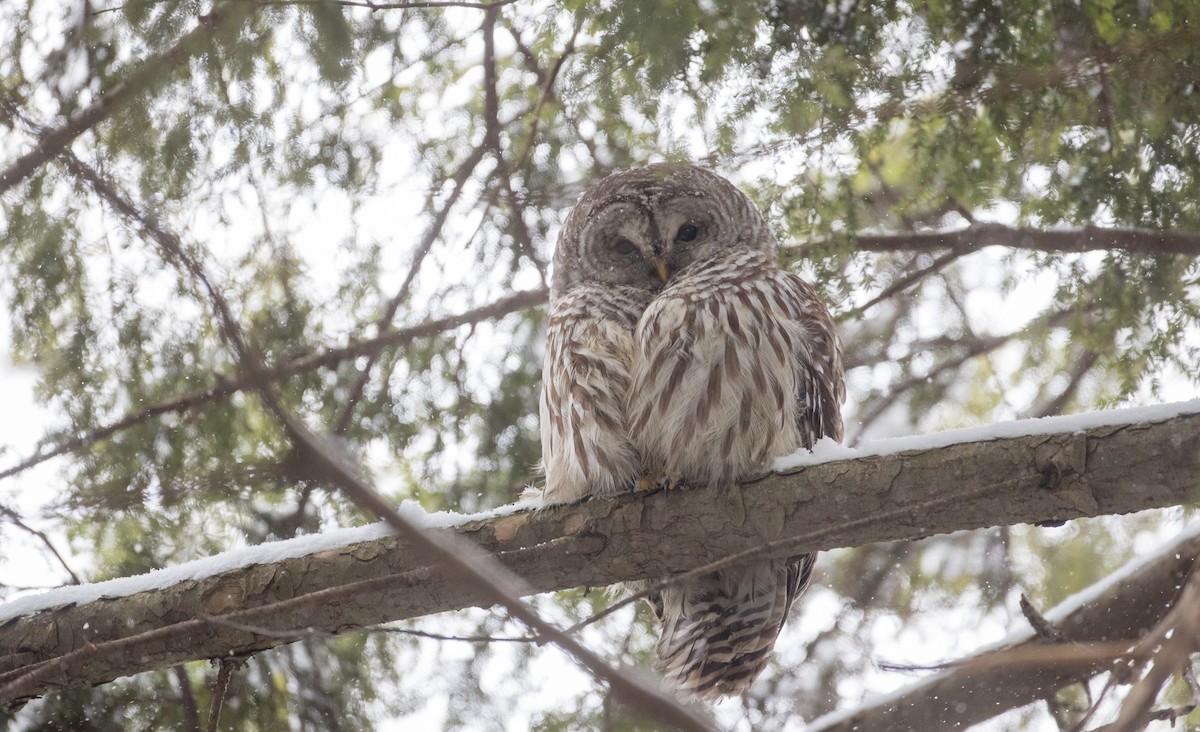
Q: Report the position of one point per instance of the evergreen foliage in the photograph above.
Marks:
(341, 171)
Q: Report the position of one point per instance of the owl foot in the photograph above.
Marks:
(649, 484)
(646, 484)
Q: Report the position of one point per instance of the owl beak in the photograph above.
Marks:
(660, 266)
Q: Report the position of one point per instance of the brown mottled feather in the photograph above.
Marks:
(704, 381)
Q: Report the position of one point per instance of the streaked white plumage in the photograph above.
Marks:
(678, 351)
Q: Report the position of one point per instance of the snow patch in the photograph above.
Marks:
(826, 450)
(267, 553)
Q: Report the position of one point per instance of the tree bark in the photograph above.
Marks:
(1106, 470)
(977, 688)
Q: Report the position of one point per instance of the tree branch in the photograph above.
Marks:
(1086, 239)
(328, 358)
(137, 82)
(907, 280)
(458, 558)
(1073, 473)
(432, 234)
(1119, 609)
(1180, 626)
(16, 520)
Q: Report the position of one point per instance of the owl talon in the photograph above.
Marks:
(645, 484)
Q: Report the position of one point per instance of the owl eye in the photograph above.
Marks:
(687, 232)
(625, 248)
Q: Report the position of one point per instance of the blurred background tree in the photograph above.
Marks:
(345, 168)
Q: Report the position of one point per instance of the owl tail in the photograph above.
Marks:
(718, 630)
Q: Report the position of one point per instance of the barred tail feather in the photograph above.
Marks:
(718, 630)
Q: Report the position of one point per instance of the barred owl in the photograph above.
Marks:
(678, 351)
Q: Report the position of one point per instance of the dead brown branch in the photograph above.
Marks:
(596, 543)
(1097, 635)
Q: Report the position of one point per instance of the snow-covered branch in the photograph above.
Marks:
(1018, 472)
(1121, 607)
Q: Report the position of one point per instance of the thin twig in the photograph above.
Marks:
(547, 81)
(1078, 371)
(15, 518)
(432, 234)
(908, 280)
(979, 347)
(516, 220)
(219, 689)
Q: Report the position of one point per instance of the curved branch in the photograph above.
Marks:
(146, 76)
(1117, 610)
(1060, 472)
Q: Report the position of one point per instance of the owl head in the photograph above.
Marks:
(643, 227)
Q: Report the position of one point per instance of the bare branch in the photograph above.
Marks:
(220, 688)
(908, 280)
(1079, 369)
(547, 80)
(1103, 629)
(1176, 638)
(597, 543)
(432, 234)
(973, 349)
(516, 220)
(191, 712)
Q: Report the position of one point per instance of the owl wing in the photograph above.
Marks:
(738, 363)
(821, 388)
(820, 376)
(585, 382)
